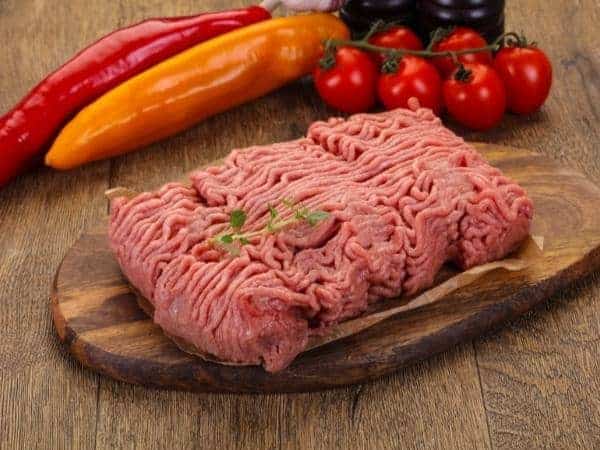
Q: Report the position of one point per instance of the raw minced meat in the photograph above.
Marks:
(404, 195)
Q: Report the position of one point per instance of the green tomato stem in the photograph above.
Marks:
(398, 53)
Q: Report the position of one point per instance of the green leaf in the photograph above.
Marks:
(316, 216)
(237, 219)
(302, 213)
(226, 239)
(244, 241)
(273, 212)
(287, 202)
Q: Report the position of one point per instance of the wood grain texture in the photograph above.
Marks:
(46, 401)
(539, 377)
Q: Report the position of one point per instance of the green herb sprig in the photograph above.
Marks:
(233, 238)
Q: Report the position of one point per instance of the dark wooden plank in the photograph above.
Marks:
(541, 376)
(157, 419)
(385, 414)
(46, 400)
(421, 407)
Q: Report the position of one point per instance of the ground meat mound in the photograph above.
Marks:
(404, 195)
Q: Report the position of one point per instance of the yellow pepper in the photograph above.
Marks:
(207, 79)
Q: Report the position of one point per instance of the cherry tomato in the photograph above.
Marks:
(415, 77)
(475, 96)
(396, 37)
(349, 85)
(527, 76)
(461, 38)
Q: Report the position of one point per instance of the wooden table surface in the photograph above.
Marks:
(533, 384)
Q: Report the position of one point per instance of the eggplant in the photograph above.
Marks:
(489, 30)
(468, 16)
(487, 17)
(360, 15)
(468, 4)
(385, 7)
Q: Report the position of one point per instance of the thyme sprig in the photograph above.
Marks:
(232, 239)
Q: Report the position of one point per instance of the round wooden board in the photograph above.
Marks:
(97, 317)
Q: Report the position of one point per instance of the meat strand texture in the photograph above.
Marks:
(404, 195)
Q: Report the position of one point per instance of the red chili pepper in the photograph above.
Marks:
(28, 128)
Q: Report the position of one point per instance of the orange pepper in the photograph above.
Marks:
(207, 79)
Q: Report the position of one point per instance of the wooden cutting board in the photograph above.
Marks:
(97, 317)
